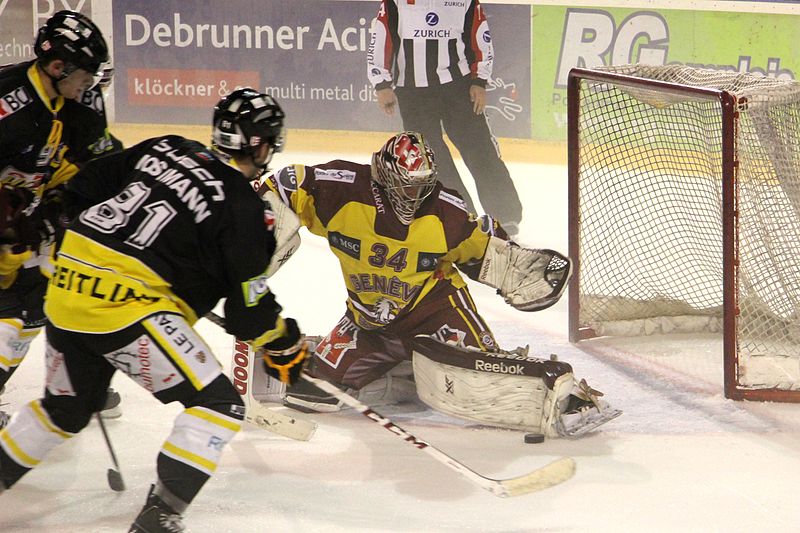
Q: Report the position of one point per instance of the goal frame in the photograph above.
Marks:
(729, 115)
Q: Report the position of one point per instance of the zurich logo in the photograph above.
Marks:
(432, 19)
(487, 38)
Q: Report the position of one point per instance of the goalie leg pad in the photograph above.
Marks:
(499, 389)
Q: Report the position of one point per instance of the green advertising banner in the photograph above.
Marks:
(566, 37)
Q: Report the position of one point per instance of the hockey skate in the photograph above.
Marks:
(112, 408)
(584, 411)
(157, 517)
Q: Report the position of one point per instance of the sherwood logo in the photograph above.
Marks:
(499, 368)
(241, 366)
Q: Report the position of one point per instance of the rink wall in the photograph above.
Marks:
(174, 58)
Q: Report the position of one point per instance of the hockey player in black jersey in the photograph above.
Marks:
(172, 228)
(52, 120)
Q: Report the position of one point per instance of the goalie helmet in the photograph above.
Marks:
(246, 119)
(405, 168)
(74, 39)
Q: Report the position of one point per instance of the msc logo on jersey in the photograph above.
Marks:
(344, 176)
(14, 101)
(343, 243)
(428, 261)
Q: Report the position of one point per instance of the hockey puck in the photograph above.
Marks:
(534, 438)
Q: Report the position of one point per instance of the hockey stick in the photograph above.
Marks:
(547, 476)
(256, 413)
(114, 474)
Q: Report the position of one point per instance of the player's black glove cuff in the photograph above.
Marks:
(284, 358)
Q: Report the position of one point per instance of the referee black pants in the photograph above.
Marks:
(428, 110)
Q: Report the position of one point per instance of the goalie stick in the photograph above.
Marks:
(242, 367)
(547, 476)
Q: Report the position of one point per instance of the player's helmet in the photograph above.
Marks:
(74, 39)
(246, 119)
(405, 168)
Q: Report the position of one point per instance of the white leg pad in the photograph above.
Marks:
(502, 390)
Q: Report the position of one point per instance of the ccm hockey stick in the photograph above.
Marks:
(256, 413)
(547, 476)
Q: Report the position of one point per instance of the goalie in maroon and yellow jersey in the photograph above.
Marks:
(401, 240)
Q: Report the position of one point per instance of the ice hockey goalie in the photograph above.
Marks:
(507, 389)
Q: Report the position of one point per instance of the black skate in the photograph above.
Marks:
(157, 517)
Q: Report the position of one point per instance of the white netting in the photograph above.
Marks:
(650, 198)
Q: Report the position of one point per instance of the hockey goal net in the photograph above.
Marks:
(684, 198)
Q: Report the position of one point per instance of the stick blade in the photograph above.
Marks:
(115, 480)
(545, 477)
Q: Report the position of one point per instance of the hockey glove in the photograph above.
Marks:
(10, 263)
(285, 357)
(528, 279)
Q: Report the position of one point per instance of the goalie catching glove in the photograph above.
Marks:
(284, 358)
(528, 279)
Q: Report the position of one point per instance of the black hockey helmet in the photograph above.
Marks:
(74, 39)
(246, 119)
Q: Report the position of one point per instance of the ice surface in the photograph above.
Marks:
(680, 458)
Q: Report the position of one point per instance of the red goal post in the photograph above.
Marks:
(684, 214)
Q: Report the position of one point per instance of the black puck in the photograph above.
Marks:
(534, 438)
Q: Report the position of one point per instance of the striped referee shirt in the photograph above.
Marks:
(422, 43)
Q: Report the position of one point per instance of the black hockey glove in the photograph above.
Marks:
(48, 223)
(284, 358)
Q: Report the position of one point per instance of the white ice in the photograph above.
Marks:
(680, 458)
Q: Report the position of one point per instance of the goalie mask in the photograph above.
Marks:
(405, 168)
(74, 39)
(246, 119)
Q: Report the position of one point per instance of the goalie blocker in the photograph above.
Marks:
(506, 389)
